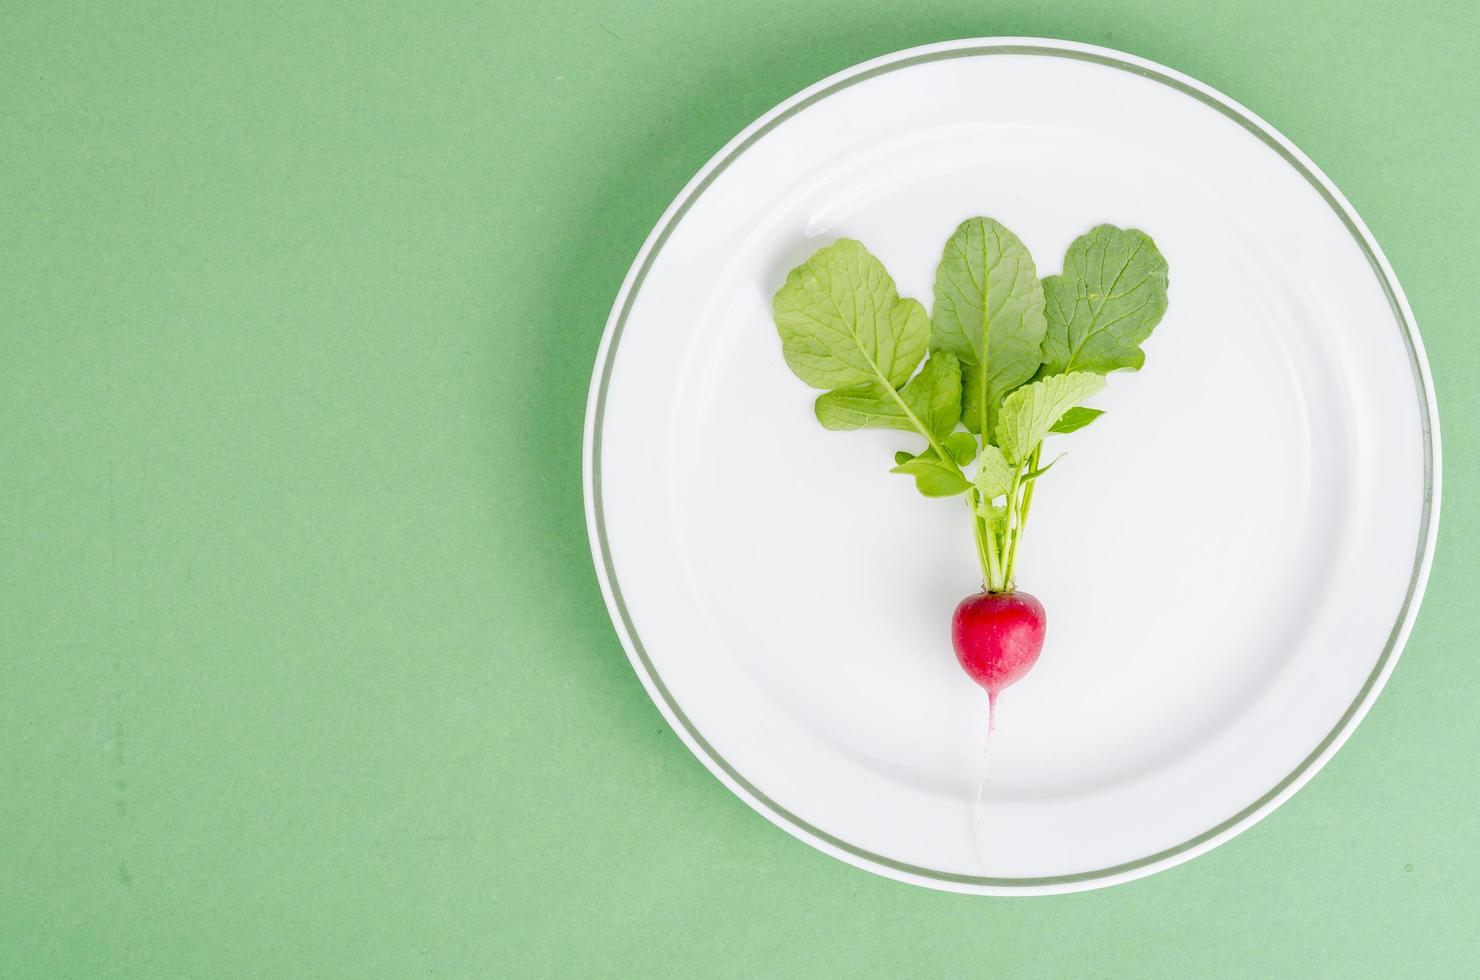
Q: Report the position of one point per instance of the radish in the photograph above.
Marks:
(1008, 357)
(998, 636)
(1003, 361)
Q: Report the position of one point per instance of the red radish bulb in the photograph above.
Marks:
(998, 636)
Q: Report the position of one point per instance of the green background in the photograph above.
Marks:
(303, 666)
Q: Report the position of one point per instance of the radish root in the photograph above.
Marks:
(978, 838)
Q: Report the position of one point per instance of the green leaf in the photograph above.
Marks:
(1112, 293)
(933, 396)
(993, 474)
(961, 446)
(1075, 419)
(1035, 474)
(989, 313)
(933, 476)
(843, 324)
(1031, 411)
(995, 516)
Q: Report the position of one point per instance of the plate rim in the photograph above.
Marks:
(930, 877)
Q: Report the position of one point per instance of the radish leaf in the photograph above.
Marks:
(994, 514)
(989, 313)
(932, 397)
(1075, 419)
(961, 446)
(843, 324)
(1035, 474)
(1029, 413)
(1112, 293)
(934, 477)
(993, 473)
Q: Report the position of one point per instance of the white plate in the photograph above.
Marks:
(1230, 559)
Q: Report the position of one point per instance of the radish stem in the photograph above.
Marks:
(986, 543)
(1022, 509)
(981, 546)
(1011, 528)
